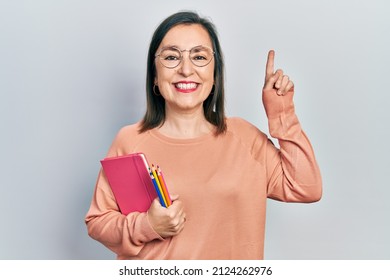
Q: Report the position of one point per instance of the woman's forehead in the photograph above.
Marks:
(186, 36)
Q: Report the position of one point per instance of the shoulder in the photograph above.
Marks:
(126, 139)
(241, 127)
(248, 136)
(131, 130)
(245, 132)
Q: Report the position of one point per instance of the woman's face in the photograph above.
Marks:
(186, 86)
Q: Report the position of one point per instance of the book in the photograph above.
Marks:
(132, 182)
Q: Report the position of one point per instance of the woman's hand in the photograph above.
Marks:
(278, 90)
(276, 80)
(169, 221)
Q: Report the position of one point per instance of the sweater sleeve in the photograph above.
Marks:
(124, 235)
(292, 170)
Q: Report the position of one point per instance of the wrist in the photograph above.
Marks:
(277, 105)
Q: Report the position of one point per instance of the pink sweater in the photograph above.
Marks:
(223, 182)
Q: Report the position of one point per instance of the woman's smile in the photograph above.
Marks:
(186, 86)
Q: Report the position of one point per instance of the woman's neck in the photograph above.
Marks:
(189, 125)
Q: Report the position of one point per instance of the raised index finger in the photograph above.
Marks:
(269, 70)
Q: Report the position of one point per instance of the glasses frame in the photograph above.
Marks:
(157, 55)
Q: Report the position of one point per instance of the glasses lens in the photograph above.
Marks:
(170, 57)
(201, 56)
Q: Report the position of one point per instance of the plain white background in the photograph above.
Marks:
(73, 72)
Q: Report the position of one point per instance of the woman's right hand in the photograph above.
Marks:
(169, 221)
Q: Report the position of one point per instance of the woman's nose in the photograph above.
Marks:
(186, 67)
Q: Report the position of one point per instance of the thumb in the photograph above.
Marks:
(174, 197)
(155, 203)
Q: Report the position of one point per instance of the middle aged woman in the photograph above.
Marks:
(220, 170)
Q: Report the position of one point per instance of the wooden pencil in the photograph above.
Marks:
(164, 186)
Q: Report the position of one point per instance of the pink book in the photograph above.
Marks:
(130, 182)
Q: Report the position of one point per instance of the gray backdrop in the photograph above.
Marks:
(72, 73)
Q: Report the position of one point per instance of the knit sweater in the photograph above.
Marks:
(223, 182)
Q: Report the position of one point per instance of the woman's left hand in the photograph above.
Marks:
(276, 79)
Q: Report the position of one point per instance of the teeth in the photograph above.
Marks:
(186, 85)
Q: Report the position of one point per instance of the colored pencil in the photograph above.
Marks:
(159, 185)
(164, 186)
(159, 193)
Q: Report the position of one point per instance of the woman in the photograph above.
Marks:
(219, 170)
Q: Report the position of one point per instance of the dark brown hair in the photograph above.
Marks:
(214, 105)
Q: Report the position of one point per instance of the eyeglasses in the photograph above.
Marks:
(200, 56)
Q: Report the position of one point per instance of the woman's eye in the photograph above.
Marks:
(171, 57)
(199, 57)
